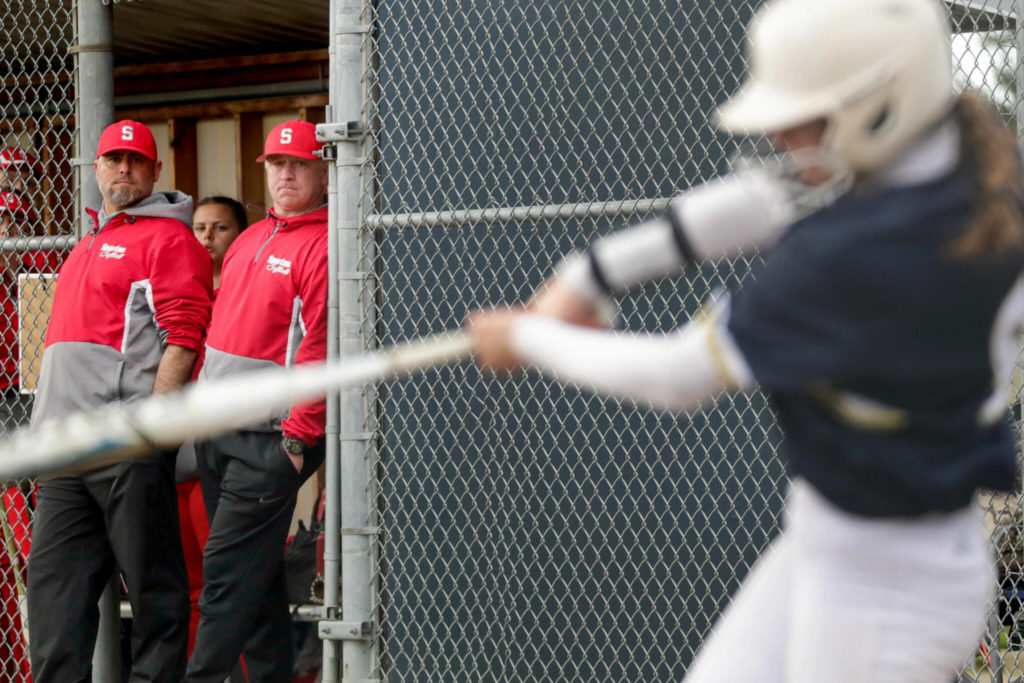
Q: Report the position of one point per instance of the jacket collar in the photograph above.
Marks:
(174, 205)
(318, 215)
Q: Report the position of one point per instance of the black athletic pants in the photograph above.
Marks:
(250, 486)
(124, 516)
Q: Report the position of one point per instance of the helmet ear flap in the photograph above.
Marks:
(869, 131)
(883, 117)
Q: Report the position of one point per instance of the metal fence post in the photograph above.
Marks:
(94, 111)
(332, 536)
(347, 505)
(94, 108)
(106, 656)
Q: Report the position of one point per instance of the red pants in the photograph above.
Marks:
(195, 529)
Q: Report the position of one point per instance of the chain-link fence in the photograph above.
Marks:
(525, 530)
(985, 54)
(36, 201)
(531, 531)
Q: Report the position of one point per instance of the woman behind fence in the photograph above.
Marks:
(216, 222)
(882, 326)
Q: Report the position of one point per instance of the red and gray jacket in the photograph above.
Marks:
(138, 281)
(271, 309)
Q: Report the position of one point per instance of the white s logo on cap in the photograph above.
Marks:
(127, 133)
(286, 136)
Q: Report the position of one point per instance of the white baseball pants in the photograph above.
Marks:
(848, 599)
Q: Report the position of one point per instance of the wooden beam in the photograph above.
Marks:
(184, 161)
(220, 63)
(212, 110)
(249, 174)
(226, 78)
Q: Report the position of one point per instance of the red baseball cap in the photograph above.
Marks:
(17, 157)
(292, 138)
(14, 203)
(127, 136)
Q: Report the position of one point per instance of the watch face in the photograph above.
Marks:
(293, 446)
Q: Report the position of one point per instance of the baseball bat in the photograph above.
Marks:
(116, 432)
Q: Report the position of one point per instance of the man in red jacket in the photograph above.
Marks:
(271, 309)
(129, 312)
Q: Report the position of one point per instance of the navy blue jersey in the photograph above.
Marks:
(872, 342)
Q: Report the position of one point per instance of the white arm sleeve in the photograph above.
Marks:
(733, 213)
(719, 218)
(676, 371)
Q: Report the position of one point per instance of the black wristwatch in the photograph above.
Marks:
(293, 446)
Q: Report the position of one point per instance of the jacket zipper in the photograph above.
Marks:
(277, 226)
(95, 231)
(92, 233)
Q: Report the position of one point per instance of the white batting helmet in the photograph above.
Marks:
(878, 71)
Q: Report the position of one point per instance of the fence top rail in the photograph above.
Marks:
(517, 214)
(32, 243)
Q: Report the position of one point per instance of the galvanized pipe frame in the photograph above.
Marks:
(94, 110)
(58, 242)
(332, 539)
(349, 540)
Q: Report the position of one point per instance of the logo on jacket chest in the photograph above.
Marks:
(279, 265)
(111, 251)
